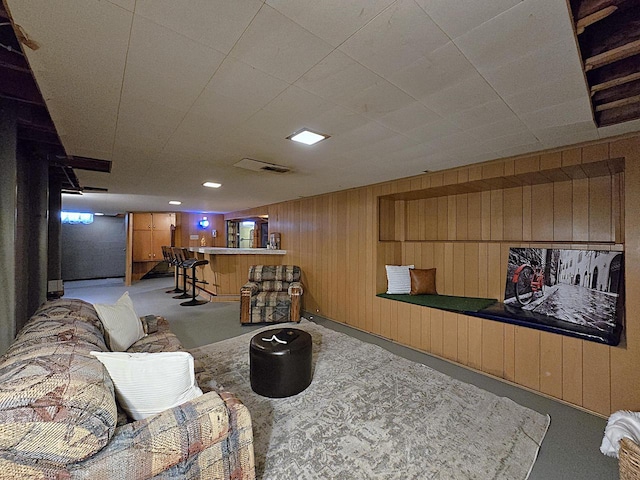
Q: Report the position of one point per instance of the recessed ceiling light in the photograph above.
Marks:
(99, 214)
(307, 137)
(212, 184)
(175, 202)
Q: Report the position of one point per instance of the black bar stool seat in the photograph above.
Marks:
(192, 263)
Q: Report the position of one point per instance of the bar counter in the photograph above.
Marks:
(228, 269)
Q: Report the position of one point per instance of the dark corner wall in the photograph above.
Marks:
(25, 239)
(96, 250)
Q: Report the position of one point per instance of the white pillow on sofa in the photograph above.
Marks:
(121, 323)
(398, 279)
(149, 383)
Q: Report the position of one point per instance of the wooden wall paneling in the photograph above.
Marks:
(425, 329)
(443, 218)
(369, 259)
(336, 265)
(393, 320)
(427, 256)
(450, 335)
(617, 208)
(412, 222)
(439, 264)
(509, 358)
(430, 214)
(596, 385)
(449, 272)
(563, 211)
(474, 342)
(495, 287)
(526, 213)
(527, 357)
(386, 219)
(463, 339)
(600, 209)
(415, 330)
(595, 152)
(437, 179)
(572, 370)
(542, 212)
(580, 210)
(474, 216)
(470, 271)
(401, 217)
(352, 228)
(625, 359)
(493, 348)
(452, 223)
(363, 256)
(437, 332)
(571, 156)
(551, 364)
(509, 366)
(497, 214)
(485, 221)
(404, 323)
(462, 222)
(458, 271)
(483, 270)
(512, 214)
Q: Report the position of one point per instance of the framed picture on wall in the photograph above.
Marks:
(580, 288)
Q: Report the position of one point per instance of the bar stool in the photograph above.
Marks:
(167, 253)
(193, 263)
(182, 255)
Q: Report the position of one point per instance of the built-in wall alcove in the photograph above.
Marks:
(466, 227)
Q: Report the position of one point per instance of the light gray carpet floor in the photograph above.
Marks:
(569, 451)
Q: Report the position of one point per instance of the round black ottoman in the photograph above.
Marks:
(280, 362)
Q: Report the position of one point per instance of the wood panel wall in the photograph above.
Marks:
(335, 240)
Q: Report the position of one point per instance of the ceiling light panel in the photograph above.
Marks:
(211, 184)
(307, 137)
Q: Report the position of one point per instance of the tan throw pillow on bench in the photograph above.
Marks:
(423, 281)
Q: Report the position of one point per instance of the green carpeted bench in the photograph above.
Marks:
(444, 302)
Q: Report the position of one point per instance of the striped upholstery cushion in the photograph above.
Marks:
(279, 273)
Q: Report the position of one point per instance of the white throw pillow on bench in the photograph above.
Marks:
(398, 279)
(149, 383)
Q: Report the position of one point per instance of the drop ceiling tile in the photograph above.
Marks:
(128, 5)
(558, 90)
(515, 33)
(551, 63)
(332, 20)
(500, 128)
(432, 131)
(215, 23)
(500, 144)
(571, 112)
(433, 72)
(279, 46)
(395, 39)
(380, 99)
(487, 113)
(521, 150)
(237, 80)
(409, 117)
(464, 95)
(79, 70)
(157, 61)
(456, 17)
(337, 78)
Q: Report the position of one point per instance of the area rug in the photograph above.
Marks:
(371, 414)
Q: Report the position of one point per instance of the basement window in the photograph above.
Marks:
(75, 218)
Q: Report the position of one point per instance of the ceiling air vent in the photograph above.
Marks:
(258, 166)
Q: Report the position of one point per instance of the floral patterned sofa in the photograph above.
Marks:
(59, 418)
